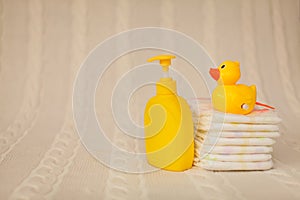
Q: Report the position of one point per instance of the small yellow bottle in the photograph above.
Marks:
(168, 125)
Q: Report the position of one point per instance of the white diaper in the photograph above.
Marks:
(229, 166)
(236, 157)
(258, 116)
(219, 141)
(238, 134)
(227, 150)
(203, 109)
(236, 127)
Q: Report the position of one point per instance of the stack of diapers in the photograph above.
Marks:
(227, 142)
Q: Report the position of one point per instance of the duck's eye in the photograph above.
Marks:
(222, 66)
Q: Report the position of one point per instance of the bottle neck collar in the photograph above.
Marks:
(166, 86)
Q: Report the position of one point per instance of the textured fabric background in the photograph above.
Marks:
(42, 44)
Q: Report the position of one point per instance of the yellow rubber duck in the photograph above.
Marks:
(228, 96)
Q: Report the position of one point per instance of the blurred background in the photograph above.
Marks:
(42, 45)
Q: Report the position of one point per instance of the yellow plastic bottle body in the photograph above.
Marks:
(169, 131)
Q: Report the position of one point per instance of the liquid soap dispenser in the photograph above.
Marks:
(169, 138)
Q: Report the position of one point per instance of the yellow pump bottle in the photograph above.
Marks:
(168, 125)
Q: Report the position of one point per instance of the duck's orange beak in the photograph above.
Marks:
(215, 73)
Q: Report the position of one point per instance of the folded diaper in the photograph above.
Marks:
(228, 166)
(203, 108)
(258, 116)
(204, 149)
(236, 127)
(233, 141)
(238, 134)
(237, 157)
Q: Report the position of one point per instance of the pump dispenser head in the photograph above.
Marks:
(164, 61)
(165, 85)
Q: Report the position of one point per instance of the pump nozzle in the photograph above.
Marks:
(164, 60)
(165, 85)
